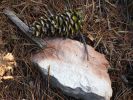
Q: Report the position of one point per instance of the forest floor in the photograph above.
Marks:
(107, 26)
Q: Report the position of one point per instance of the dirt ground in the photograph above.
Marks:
(106, 24)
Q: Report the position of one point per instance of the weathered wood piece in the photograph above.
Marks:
(23, 27)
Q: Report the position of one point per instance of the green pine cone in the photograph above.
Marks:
(67, 24)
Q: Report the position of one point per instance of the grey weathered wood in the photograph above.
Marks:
(23, 27)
